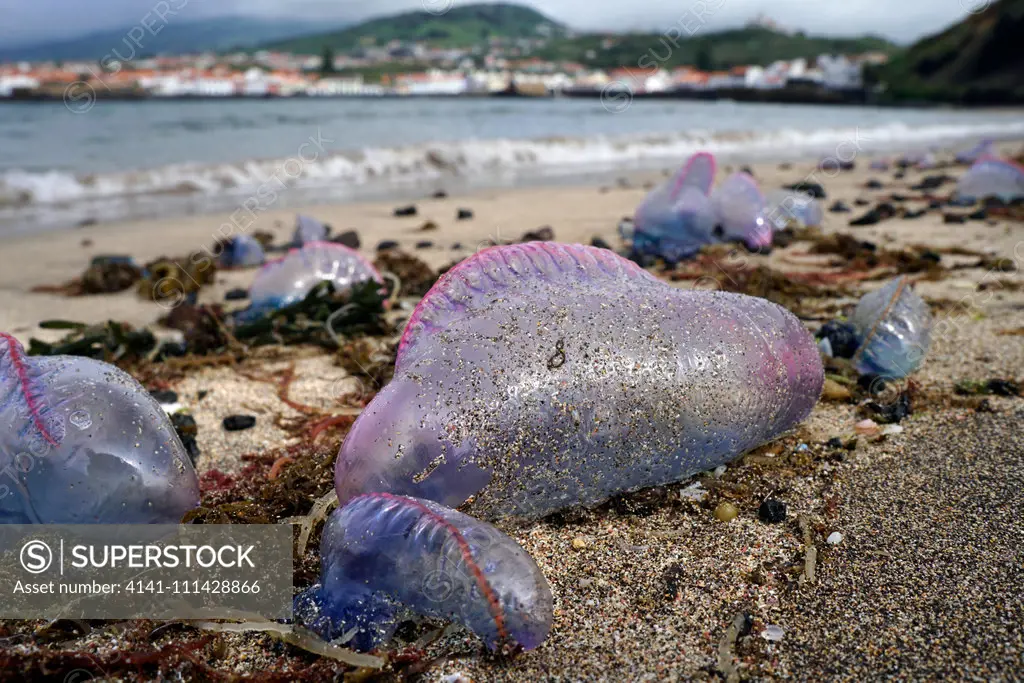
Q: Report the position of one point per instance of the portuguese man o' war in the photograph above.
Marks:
(308, 230)
(241, 251)
(539, 376)
(894, 326)
(676, 219)
(992, 177)
(381, 552)
(84, 443)
(290, 278)
(790, 206)
(740, 206)
(982, 149)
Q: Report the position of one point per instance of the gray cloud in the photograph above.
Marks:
(904, 21)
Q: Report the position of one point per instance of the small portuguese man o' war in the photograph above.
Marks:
(290, 278)
(540, 376)
(81, 442)
(894, 326)
(382, 554)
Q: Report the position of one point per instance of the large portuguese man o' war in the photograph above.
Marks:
(81, 442)
(539, 376)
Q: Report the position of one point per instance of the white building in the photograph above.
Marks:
(11, 82)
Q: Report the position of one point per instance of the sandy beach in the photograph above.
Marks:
(924, 583)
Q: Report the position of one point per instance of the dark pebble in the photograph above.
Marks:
(861, 202)
(898, 197)
(1002, 387)
(236, 423)
(979, 215)
(191, 447)
(910, 215)
(934, 204)
(387, 244)
(899, 175)
(847, 165)
(543, 234)
(813, 189)
(954, 218)
(841, 336)
(892, 412)
(839, 207)
(874, 184)
(834, 442)
(164, 396)
(870, 218)
(350, 238)
(930, 182)
(457, 246)
(440, 194)
(463, 215)
(749, 171)
(201, 394)
(406, 210)
(599, 243)
(184, 424)
(236, 294)
(772, 511)
(172, 350)
(424, 244)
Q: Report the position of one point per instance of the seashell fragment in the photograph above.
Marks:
(382, 552)
(676, 219)
(894, 325)
(992, 177)
(81, 442)
(540, 376)
(292, 277)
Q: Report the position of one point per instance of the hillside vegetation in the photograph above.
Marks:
(977, 61)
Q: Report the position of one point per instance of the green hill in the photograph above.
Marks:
(718, 50)
(978, 61)
(462, 26)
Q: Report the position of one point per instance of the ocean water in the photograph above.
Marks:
(124, 160)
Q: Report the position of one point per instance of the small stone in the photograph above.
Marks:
(772, 511)
(834, 442)
(579, 543)
(834, 538)
(542, 234)
(720, 471)
(834, 391)
(889, 430)
(349, 238)
(236, 294)
(387, 244)
(463, 215)
(440, 194)
(172, 350)
(599, 243)
(236, 423)
(409, 210)
(184, 424)
(839, 207)
(726, 512)
(842, 337)
(164, 396)
(773, 633)
(428, 226)
(424, 244)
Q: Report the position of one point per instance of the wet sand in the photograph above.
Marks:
(925, 583)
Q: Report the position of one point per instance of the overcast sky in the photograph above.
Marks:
(23, 21)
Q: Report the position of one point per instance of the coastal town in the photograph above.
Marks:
(401, 68)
